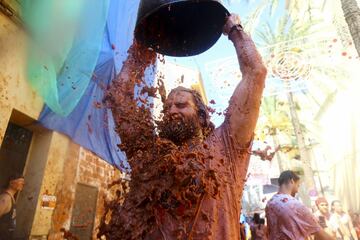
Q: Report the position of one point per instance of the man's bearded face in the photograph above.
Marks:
(181, 121)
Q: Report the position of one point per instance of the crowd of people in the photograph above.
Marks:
(288, 218)
(336, 221)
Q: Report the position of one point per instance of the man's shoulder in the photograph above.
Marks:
(317, 213)
(271, 203)
(215, 137)
(5, 203)
(222, 136)
(5, 197)
(276, 198)
(283, 200)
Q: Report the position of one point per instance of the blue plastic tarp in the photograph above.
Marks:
(90, 124)
(66, 39)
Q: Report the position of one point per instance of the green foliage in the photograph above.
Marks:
(286, 29)
(276, 113)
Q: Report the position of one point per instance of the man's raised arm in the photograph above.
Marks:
(133, 122)
(245, 102)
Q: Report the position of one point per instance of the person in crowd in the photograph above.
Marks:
(8, 206)
(242, 231)
(287, 217)
(186, 129)
(254, 222)
(258, 228)
(322, 213)
(356, 223)
(340, 223)
(244, 227)
(263, 230)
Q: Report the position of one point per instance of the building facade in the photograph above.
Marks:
(65, 184)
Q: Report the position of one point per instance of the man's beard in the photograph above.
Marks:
(177, 129)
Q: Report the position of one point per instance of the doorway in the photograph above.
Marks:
(14, 151)
(83, 215)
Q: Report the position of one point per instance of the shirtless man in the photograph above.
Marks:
(205, 168)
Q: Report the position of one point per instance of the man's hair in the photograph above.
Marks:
(256, 218)
(203, 113)
(320, 200)
(335, 201)
(287, 176)
(15, 176)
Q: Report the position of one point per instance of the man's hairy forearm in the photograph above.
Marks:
(244, 105)
(248, 56)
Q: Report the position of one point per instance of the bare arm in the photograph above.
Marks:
(352, 229)
(322, 235)
(133, 123)
(5, 204)
(245, 102)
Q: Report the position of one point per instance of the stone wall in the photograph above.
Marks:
(15, 92)
(81, 167)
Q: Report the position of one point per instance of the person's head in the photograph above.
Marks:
(323, 205)
(16, 182)
(256, 218)
(356, 218)
(185, 116)
(290, 181)
(336, 207)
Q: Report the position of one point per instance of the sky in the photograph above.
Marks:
(223, 47)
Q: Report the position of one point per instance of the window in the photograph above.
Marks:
(13, 151)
